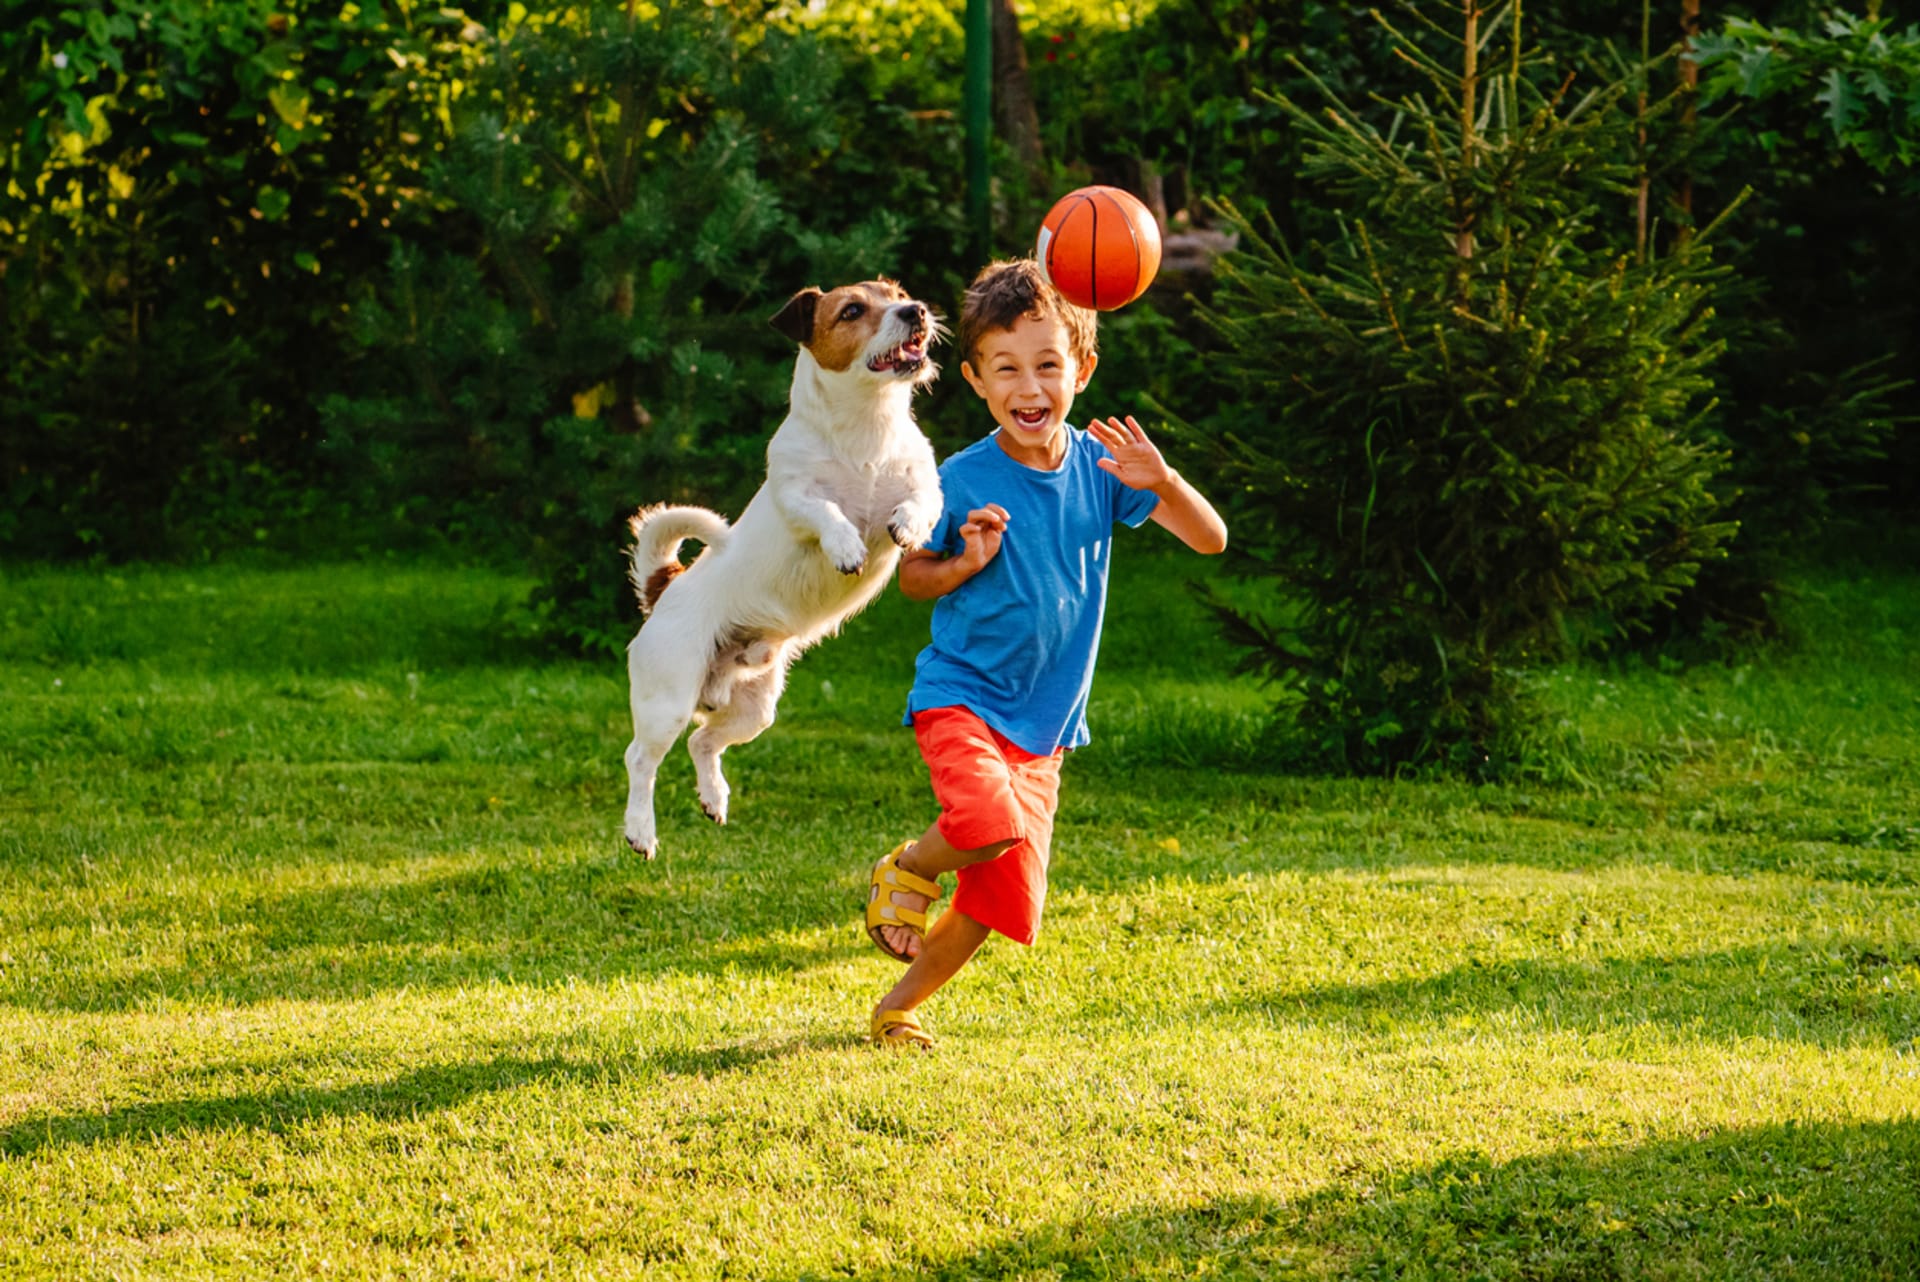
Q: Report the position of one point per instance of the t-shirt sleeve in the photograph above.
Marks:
(1131, 506)
(945, 538)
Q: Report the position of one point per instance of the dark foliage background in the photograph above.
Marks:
(321, 280)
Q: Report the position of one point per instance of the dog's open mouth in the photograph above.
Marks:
(904, 359)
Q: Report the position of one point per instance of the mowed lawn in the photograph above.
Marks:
(320, 956)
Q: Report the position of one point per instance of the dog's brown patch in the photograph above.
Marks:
(846, 319)
(657, 583)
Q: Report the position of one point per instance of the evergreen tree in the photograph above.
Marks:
(1469, 428)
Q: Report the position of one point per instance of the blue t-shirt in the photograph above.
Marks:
(1016, 643)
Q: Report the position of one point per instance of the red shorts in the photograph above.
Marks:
(991, 790)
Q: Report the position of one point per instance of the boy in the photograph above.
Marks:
(1019, 565)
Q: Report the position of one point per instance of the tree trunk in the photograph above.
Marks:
(1690, 82)
(1469, 82)
(1013, 94)
(1642, 187)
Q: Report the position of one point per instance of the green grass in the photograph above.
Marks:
(320, 956)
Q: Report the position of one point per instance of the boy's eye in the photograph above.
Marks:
(852, 311)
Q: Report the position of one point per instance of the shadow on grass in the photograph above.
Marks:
(784, 895)
(1313, 823)
(1839, 993)
(317, 619)
(1819, 1202)
(504, 921)
(422, 1091)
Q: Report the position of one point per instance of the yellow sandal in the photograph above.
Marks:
(888, 876)
(899, 1029)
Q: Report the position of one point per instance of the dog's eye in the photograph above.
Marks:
(852, 311)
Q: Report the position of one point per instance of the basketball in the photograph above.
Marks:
(1100, 247)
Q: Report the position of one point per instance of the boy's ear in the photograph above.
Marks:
(1085, 373)
(795, 320)
(973, 379)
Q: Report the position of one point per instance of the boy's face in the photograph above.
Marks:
(1028, 377)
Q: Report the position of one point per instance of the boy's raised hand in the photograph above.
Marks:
(982, 530)
(1135, 460)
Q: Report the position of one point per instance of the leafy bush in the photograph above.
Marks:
(1857, 82)
(1469, 429)
(1168, 92)
(187, 187)
(1828, 125)
(634, 194)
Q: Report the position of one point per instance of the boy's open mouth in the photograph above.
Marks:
(1031, 420)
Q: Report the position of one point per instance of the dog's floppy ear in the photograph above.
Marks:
(795, 320)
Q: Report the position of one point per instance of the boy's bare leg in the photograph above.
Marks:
(930, 856)
(951, 943)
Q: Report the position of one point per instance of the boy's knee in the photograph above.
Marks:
(994, 850)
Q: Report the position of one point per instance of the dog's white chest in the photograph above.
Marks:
(867, 491)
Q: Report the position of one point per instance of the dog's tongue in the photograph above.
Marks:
(911, 350)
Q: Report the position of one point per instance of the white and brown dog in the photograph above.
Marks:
(850, 482)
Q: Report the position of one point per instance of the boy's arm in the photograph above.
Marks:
(1182, 510)
(1185, 512)
(925, 574)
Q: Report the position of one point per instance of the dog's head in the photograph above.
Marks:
(872, 329)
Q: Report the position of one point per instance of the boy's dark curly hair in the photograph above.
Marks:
(1007, 290)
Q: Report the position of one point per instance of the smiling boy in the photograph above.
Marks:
(1018, 565)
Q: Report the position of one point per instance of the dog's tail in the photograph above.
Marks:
(657, 534)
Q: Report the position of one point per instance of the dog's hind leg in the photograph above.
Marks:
(750, 710)
(664, 685)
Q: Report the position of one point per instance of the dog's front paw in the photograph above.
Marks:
(909, 537)
(910, 526)
(845, 549)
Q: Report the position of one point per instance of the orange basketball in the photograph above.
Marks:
(1100, 247)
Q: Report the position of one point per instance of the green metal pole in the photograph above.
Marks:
(978, 101)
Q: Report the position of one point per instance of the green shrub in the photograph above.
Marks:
(1468, 429)
(188, 187)
(632, 195)
(1827, 124)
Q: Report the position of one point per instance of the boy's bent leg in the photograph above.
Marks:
(950, 944)
(933, 854)
(930, 856)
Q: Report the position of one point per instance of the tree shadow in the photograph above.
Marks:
(778, 891)
(428, 1089)
(397, 925)
(1834, 993)
(325, 619)
(1820, 1202)
(1310, 823)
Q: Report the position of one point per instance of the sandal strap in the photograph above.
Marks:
(908, 1026)
(888, 877)
(884, 912)
(889, 874)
